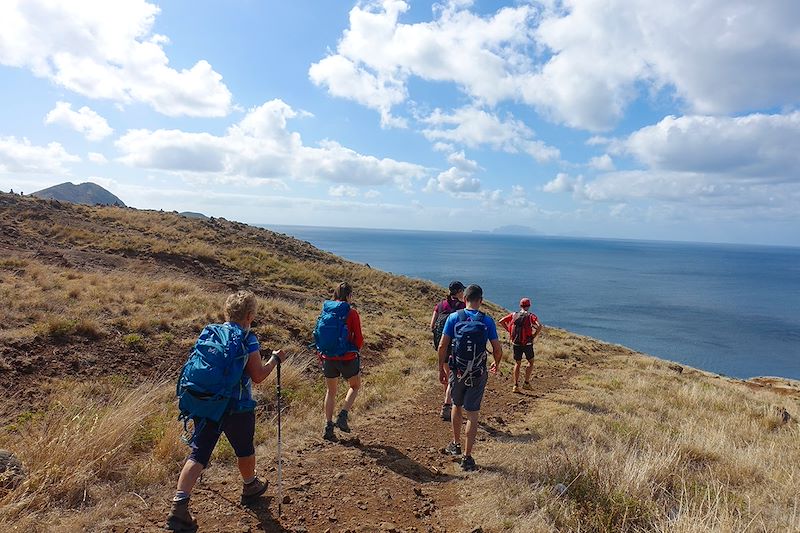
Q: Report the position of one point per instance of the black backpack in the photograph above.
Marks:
(438, 326)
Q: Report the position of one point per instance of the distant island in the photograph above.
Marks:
(84, 193)
(515, 229)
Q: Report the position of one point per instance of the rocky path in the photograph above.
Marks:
(388, 475)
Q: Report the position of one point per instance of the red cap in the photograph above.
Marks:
(525, 302)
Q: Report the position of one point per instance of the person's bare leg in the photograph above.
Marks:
(472, 430)
(352, 392)
(529, 371)
(455, 418)
(247, 466)
(190, 473)
(517, 364)
(448, 397)
(330, 397)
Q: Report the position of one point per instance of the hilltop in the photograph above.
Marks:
(84, 193)
(102, 304)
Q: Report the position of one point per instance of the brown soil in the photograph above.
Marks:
(389, 474)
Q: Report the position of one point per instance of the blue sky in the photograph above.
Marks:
(621, 118)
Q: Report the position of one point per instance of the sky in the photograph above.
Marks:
(602, 118)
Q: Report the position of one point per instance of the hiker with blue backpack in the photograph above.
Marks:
(215, 394)
(451, 304)
(338, 340)
(469, 330)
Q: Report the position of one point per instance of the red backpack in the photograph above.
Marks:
(521, 330)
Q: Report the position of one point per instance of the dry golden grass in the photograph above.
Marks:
(642, 448)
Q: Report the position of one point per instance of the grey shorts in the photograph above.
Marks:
(332, 368)
(469, 397)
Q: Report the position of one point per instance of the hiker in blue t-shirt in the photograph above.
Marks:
(238, 423)
(469, 330)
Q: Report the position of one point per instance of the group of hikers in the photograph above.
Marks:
(215, 385)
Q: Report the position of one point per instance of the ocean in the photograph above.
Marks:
(729, 309)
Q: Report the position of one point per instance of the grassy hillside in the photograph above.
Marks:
(102, 303)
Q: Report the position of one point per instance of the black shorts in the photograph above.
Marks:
(240, 428)
(331, 368)
(526, 350)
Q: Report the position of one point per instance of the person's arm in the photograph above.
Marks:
(354, 327)
(435, 315)
(443, 344)
(537, 327)
(506, 322)
(257, 369)
(497, 351)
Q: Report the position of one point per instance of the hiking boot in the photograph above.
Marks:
(527, 386)
(516, 388)
(251, 491)
(453, 448)
(341, 421)
(446, 408)
(329, 435)
(180, 519)
(468, 464)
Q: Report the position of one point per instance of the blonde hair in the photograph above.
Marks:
(238, 305)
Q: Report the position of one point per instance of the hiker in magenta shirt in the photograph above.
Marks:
(347, 365)
(523, 327)
(451, 304)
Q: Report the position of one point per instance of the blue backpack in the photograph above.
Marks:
(468, 356)
(331, 337)
(212, 375)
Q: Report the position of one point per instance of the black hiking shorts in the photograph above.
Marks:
(332, 368)
(239, 428)
(526, 350)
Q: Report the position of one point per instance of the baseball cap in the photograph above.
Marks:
(456, 287)
(525, 302)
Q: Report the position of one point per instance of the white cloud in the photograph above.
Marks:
(372, 193)
(562, 183)
(107, 50)
(377, 54)
(97, 158)
(22, 156)
(458, 179)
(85, 121)
(602, 162)
(260, 149)
(755, 147)
(342, 191)
(577, 62)
(474, 127)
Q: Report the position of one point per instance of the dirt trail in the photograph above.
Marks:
(389, 475)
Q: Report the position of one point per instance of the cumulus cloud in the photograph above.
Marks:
(755, 147)
(97, 158)
(107, 50)
(343, 191)
(474, 127)
(602, 162)
(578, 63)
(85, 121)
(22, 156)
(260, 149)
(458, 179)
(743, 164)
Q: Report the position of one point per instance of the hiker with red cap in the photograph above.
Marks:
(523, 327)
(451, 304)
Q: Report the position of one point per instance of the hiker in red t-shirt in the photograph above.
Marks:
(451, 304)
(347, 366)
(523, 328)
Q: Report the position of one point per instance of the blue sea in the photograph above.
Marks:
(729, 309)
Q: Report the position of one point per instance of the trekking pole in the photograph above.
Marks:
(278, 379)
